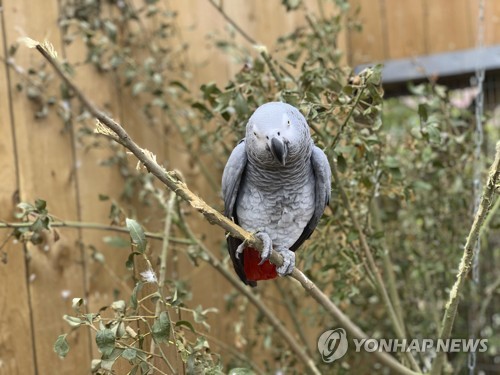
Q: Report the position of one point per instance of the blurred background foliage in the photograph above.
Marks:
(406, 165)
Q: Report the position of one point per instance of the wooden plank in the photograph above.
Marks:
(369, 44)
(103, 281)
(16, 346)
(492, 22)
(446, 26)
(404, 24)
(46, 171)
(491, 25)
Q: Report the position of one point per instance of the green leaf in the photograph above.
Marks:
(40, 204)
(133, 297)
(116, 241)
(291, 4)
(341, 163)
(137, 234)
(76, 303)
(119, 306)
(105, 340)
(61, 346)
(138, 88)
(129, 354)
(108, 362)
(423, 111)
(25, 208)
(90, 317)
(434, 134)
(185, 323)
(391, 162)
(73, 321)
(161, 328)
(130, 260)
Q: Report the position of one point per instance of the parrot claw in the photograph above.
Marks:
(288, 261)
(239, 249)
(267, 247)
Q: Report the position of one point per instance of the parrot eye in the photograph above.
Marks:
(267, 137)
(279, 133)
(288, 122)
(254, 133)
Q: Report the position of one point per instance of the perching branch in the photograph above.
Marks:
(490, 191)
(211, 259)
(210, 214)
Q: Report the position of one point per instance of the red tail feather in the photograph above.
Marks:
(253, 271)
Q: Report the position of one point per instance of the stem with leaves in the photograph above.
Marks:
(379, 281)
(169, 208)
(490, 192)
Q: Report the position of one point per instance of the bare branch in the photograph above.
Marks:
(214, 217)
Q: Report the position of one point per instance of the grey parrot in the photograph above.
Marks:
(276, 184)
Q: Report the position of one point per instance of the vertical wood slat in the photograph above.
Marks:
(16, 346)
(94, 179)
(46, 171)
(447, 27)
(404, 28)
(412, 28)
(369, 44)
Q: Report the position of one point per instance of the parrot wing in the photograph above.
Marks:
(231, 180)
(322, 176)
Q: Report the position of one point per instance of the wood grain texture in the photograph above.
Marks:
(46, 170)
(369, 44)
(93, 178)
(16, 349)
(446, 26)
(404, 28)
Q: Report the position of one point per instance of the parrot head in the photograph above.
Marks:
(277, 134)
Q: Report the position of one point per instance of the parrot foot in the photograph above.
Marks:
(288, 261)
(267, 248)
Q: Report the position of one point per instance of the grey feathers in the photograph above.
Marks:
(276, 181)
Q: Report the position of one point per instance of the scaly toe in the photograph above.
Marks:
(288, 262)
(267, 247)
(239, 249)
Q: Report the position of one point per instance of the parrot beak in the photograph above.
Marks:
(279, 149)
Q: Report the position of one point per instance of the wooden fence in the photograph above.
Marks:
(40, 158)
(395, 29)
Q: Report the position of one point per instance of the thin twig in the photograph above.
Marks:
(491, 189)
(249, 39)
(265, 55)
(163, 265)
(388, 268)
(96, 226)
(214, 217)
(285, 296)
(336, 139)
(398, 328)
(242, 32)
